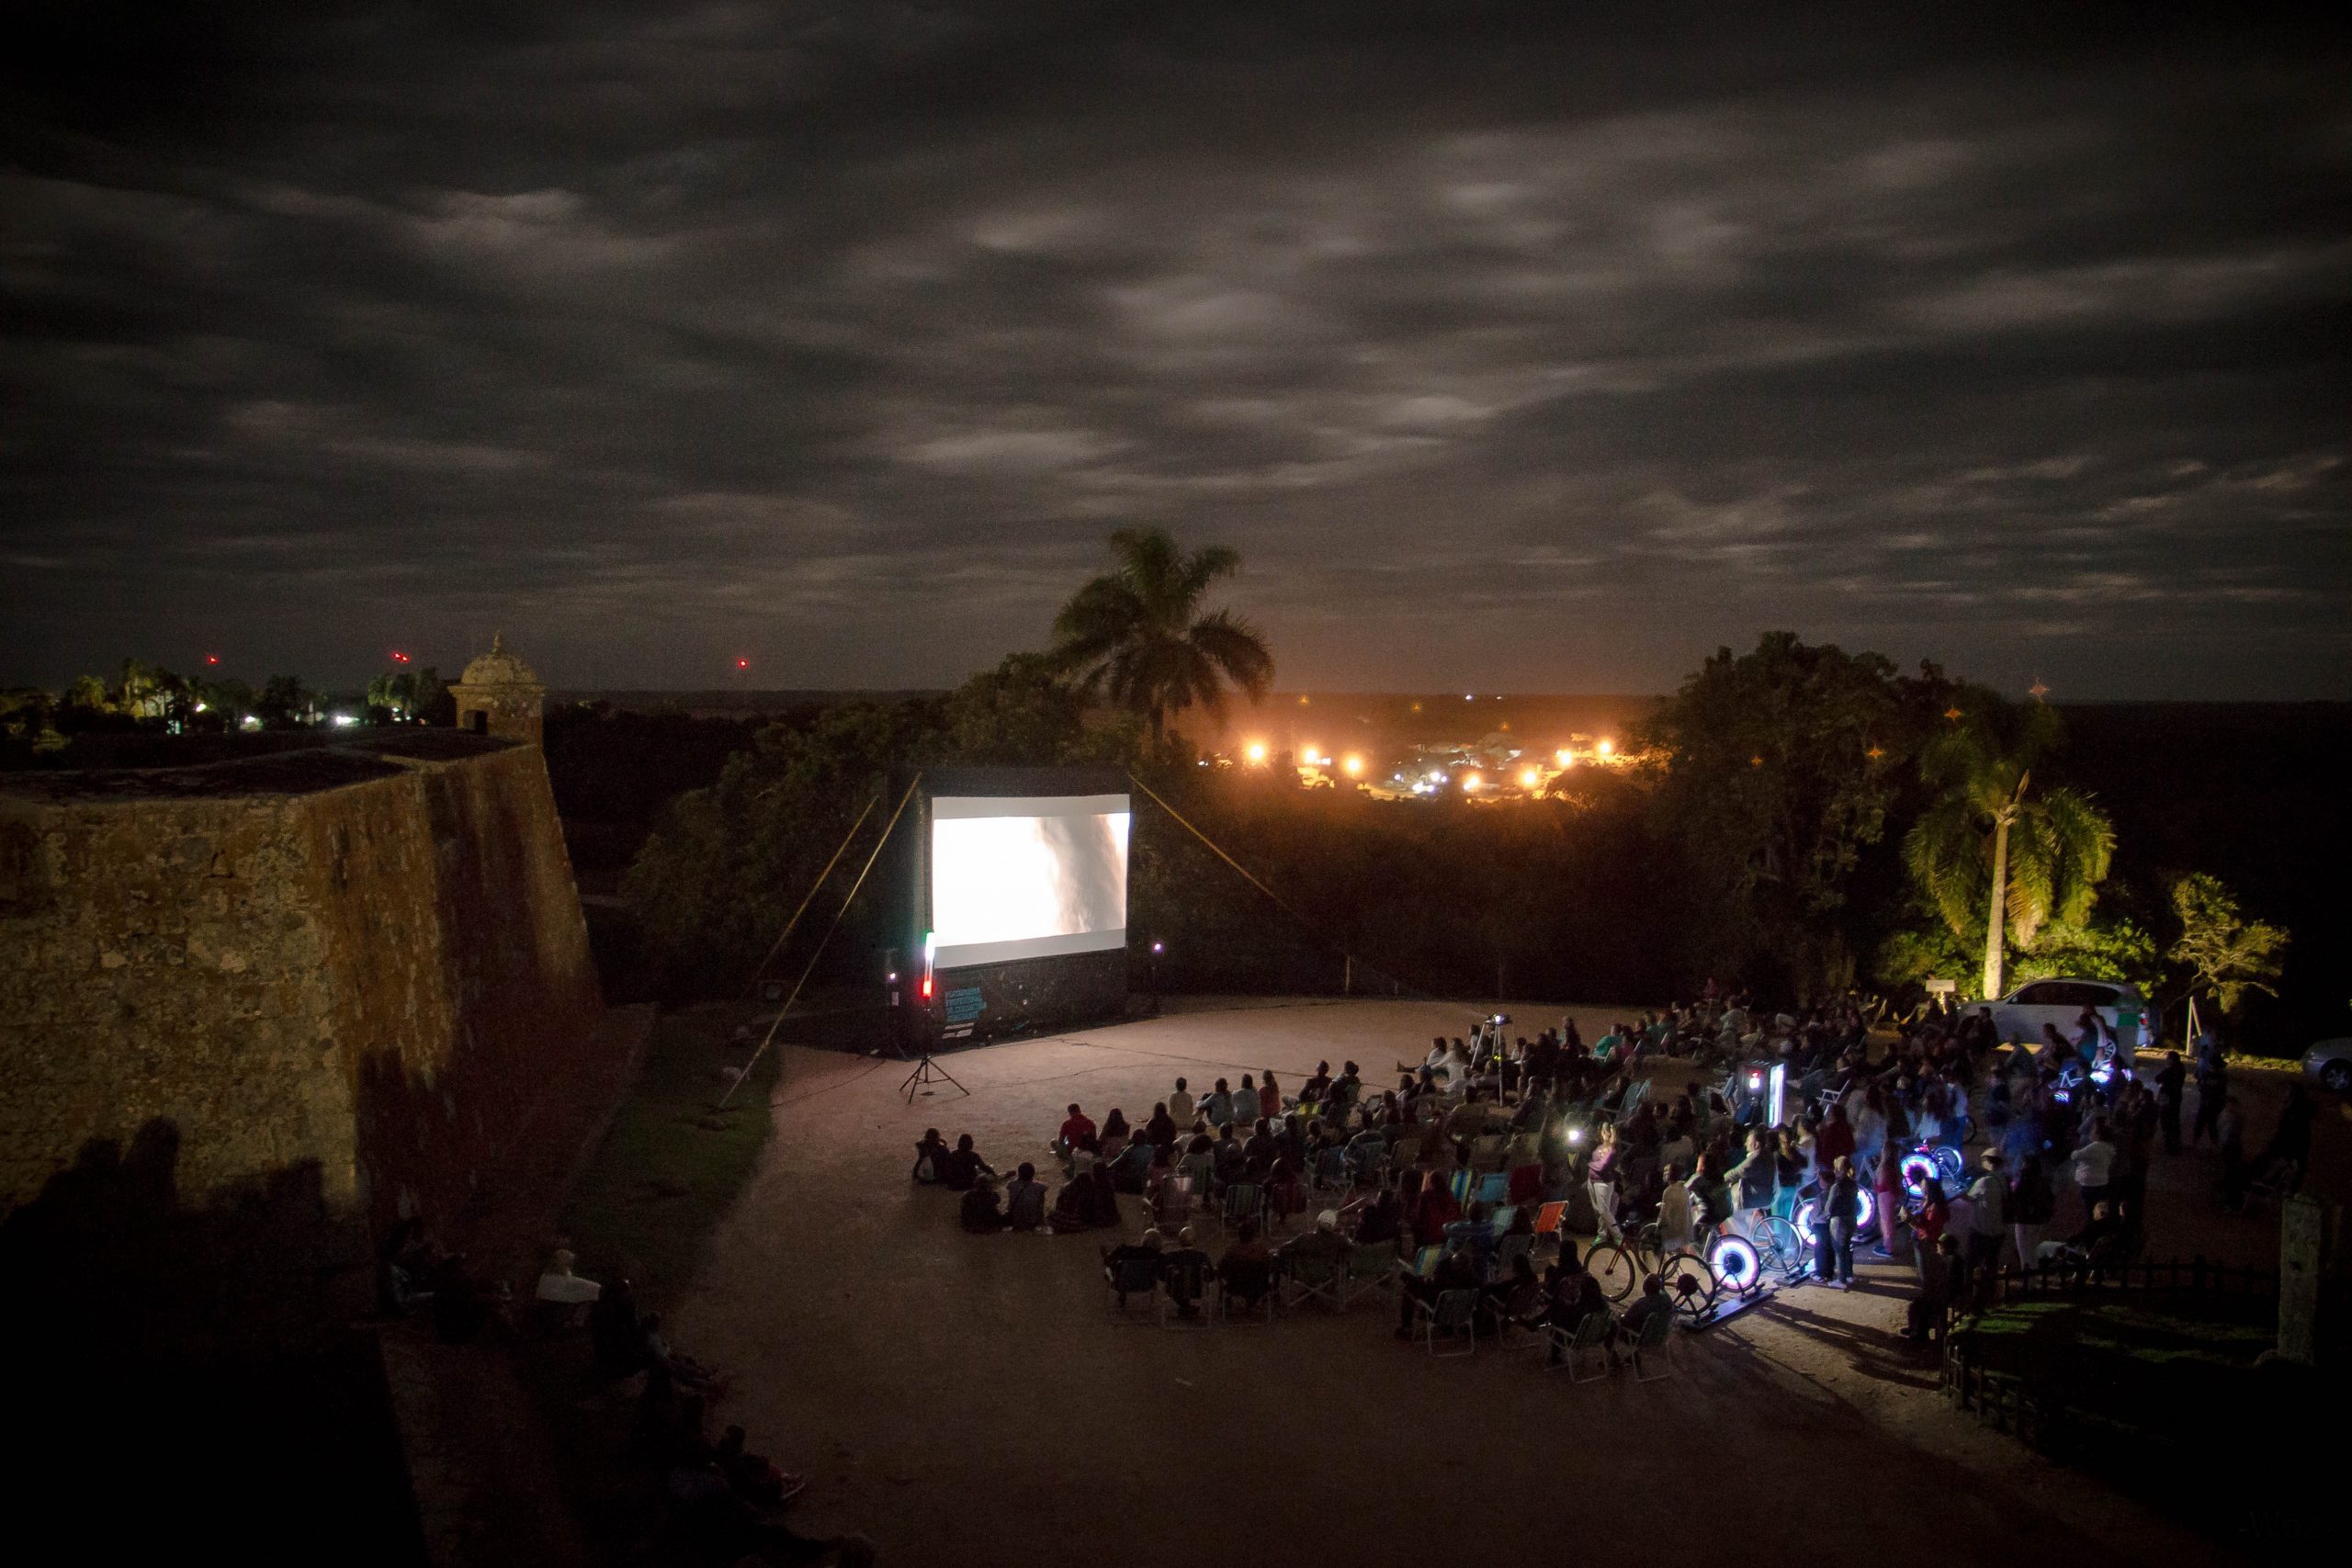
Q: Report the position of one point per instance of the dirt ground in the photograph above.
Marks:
(965, 1401)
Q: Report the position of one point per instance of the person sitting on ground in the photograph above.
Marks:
(1102, 1196)
(614, 1332)
(1184, 1269)
(1147, 1249)
(1131, 1172)
(965, 1166)
(1348, 1088)
(1246, 1270)
(1269, 1097)
(1179, 1105)
(1217, 1106)
(1075, 1125)
(982, 1215)
(681, 1368)
(1085, 1154)
(1073, 1207)
(1318, 1087)
(1430, 1063)
(1111, 1142)
(1231, 1159)
(932, 1155)
(562, 1295)
(1161, 1131)
(1025, 1200)
(754, 1478)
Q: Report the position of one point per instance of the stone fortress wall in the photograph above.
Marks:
(368, 959)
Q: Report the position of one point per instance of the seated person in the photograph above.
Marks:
(1025, 1200)
(1102, 1196)
(1323, 1244)
(1652, 1300)
(1073, 1207)
(965, 1166)
(1453, 1273)
(1180, 1106)
(1474, 1236)
(1077, 1126)
(1246, 1270)
(1383, 1219)
(1319, 1087)
(1131, 1171)
(560, 1285)
(1517, 1297)
(982, 1215)
(1160, 1130)
(932, 1155)
(1217, 1106)
(614, 1330)
(1146, 1250)
(753, 1478)
(683, 1370)
(1184, 1269)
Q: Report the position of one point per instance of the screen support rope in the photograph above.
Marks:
(848, 839)
(811, 967)
(1280, 902)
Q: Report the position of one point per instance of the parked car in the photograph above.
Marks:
(2330, 1061)
(2021, 1015)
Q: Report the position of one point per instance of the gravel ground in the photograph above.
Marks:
(965, 1401)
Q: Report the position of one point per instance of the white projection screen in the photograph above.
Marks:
(1027, 876)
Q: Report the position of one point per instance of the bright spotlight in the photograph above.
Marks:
(1527, 778)
(1469, 781)
(1255, 751)
(1354, 767)
(1604, 748)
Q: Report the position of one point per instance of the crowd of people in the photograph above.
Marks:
(1552, 1122)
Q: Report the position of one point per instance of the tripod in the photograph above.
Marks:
(928, 1072)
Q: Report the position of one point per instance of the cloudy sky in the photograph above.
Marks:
(1512, 353)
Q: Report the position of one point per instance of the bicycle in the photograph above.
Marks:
(1621, 1263)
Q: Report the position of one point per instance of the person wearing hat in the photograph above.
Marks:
(1324, 1243)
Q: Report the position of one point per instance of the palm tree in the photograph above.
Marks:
(1136, 634)
(1991, 845)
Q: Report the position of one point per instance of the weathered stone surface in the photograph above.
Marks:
(373, 960)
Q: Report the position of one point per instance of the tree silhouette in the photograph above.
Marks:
(1137, 635)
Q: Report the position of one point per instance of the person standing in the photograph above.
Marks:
(2213, 1089)
(1988, 1218)
(2095, 1164)
(2171, 1079)
(1600, 1183)
(2031, 1205)
(1841, 1202)
(1886, 1195)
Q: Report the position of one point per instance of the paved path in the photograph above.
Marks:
(964, 1401)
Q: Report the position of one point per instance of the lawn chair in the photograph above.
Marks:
(1244, 1201)
(1585, 1344)
(1332, 1173)
(1309, 1277)
(1370, 1169)
(1493, 1189)
(1464, 1185)
(1371, 1266)
(1653, 1348)
(1173, 1210)
(1547, 1222)
(1512, 1331)
(1245, 1281)
(1182, 1285)
(1405, 1152)
(1453, 1311)
(1509, 1249)
(1526, 1183)
(1130, 1281)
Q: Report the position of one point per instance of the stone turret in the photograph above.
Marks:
(498, 695)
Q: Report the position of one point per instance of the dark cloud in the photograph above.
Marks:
(1517, 346)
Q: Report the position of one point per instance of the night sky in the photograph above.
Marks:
(1513, 353)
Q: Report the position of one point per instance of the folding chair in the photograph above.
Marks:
(1588, 1341)
(1246, 1281)
(1547, 1222)
(1130, 1281)
(1244, 1201)
(1510, 1249)
(1454, 1311)
(1371, 1266)
(1500, 1220)
(1332, 1173)
(1309, 1277)
(1653, 1348)
(1464, 1184)
(1493, 1188)
(1181, 1285)
(1173, 1212)
(1511, 1332)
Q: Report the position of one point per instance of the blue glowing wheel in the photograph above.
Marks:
(1779, 1248)
(1801, 1222)
(1735, 1263)
(1951, 1164)
(1866, 1210)
(1919, 1170)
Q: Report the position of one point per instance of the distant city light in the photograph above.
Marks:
(1469, 783)
(343, 721)
(1469, 696)
(212, 659)
(200, 707)
(1604, 748)
(1438, 776)
(1354, 767)
(1255, 751)
(1564, 757)
(1527, 777)
(743, 664)
(399, 658)
(251, 721)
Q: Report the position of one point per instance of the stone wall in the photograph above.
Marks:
(368, 960)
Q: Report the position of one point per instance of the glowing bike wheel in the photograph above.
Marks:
(1736, 1264)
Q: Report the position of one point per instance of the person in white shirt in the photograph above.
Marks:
(2094, 1163)
(1180, 1108)
(1674, 1209)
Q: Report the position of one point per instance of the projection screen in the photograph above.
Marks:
(1027, 876)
